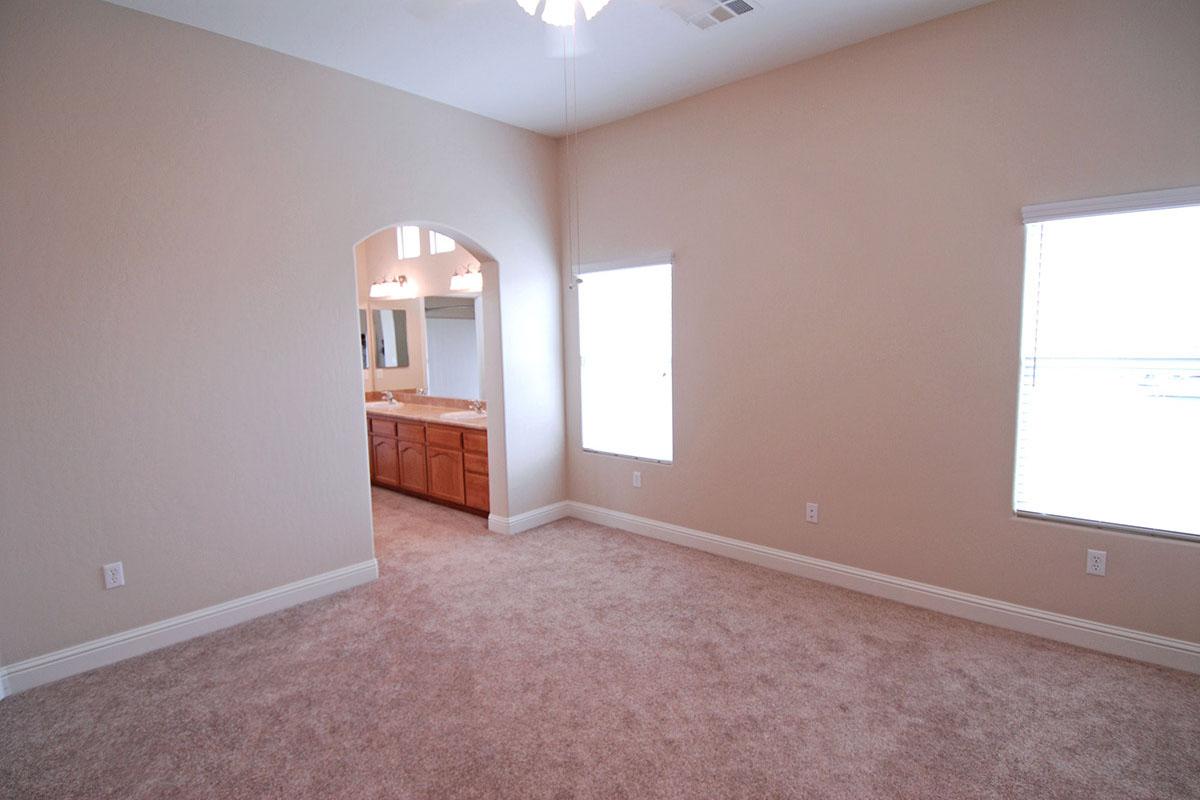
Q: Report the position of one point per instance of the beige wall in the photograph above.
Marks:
(848, 285)
(178, 212)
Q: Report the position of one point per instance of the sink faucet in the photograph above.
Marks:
(477, 406)
(391, 398)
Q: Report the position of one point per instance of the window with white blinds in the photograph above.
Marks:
(625, 362)
(1108, 429)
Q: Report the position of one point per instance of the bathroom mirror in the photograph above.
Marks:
(362, 335)
(391, 337)
(453, 344)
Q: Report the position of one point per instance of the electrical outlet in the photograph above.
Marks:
(114, 575)
(1097, 562)
(810, 513)
(637, 479)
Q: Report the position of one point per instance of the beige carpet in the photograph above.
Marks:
(577, 661)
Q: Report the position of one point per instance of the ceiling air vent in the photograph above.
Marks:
(706, 13)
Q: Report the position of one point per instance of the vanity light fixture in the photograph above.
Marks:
(467, 279)
(562, 12)
(397, 288)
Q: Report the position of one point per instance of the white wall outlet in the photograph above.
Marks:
(810, 513)
(1097, 562)
(114, 575)
(637, 479)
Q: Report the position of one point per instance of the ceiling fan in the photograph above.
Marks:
(560, 13)
(701, 14)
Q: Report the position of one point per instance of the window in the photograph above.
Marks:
(440, 243)
(408, 241)
(1108, 429)
(625, 362)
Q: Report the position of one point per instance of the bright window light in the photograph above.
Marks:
(408, 241)
(440, 243)
(625, 362)
(1108, 425)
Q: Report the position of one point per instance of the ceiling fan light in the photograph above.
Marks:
(559, 12)
(530, 6)
(591, 7)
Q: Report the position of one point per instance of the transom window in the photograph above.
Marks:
(408, 241)
(440, 243)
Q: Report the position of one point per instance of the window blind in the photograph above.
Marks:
(1108, 428)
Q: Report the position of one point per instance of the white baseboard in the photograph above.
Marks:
(1126, 642)
(99, 652)
(528, 520)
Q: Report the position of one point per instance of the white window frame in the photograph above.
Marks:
(1071, 209)
(403, 232)
(441, 243)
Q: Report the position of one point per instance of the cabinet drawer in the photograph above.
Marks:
(445, 437)
(382, 427)
(477, 491)
(410, 432)
(475, 441)
(474, 462)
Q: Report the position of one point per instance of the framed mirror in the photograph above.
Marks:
(391, 337)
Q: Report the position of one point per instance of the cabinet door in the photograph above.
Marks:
(385, 460)
(446, 475)
(412, 467)
(477, 491)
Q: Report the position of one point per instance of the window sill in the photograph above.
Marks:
(1108, 526)
(628, 458)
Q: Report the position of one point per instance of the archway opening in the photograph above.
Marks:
(428, 310)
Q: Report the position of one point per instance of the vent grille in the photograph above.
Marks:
(704, 14)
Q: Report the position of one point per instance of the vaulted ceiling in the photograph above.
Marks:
(490, 57)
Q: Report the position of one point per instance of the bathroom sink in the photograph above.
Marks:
(464, 415)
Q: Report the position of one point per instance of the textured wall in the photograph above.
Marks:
(181, 386)
(848, 288)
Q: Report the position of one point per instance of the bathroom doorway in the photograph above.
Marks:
(429, 345)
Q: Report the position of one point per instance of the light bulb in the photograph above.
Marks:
(559, 12)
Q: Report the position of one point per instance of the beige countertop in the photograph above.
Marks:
(425, 413)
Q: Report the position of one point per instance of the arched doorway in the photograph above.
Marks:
(429, 318)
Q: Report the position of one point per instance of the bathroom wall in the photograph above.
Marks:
(178, 213)
(429, 274)
(847, 291)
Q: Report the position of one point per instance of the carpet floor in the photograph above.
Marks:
(582, 662)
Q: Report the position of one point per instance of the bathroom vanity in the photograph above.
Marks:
(439, 454)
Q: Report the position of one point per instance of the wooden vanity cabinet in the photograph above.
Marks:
(446, 475)
(444, 463)
(385, 461)
(411, 445)
(385, 458)
(475, 469)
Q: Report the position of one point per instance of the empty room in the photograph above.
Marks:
(599, 399)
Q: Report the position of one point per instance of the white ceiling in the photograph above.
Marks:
(489, 57)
